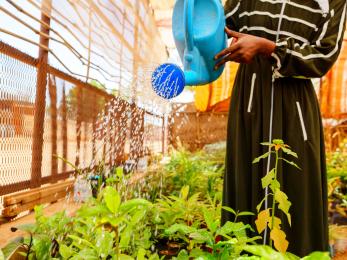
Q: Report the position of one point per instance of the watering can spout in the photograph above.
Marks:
(198, 30)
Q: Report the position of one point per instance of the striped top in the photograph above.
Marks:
(308, 37)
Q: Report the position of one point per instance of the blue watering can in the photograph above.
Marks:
(198, 29)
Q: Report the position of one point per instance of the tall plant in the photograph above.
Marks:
(267, 217)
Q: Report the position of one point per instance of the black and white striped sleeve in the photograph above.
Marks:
(232, 8)
(314, 59)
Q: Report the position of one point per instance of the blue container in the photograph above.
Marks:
(198, 29)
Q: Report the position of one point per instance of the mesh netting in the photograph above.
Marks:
(75, 87)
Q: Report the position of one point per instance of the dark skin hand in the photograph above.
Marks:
(243, 48)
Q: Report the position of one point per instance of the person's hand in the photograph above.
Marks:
(243, 48)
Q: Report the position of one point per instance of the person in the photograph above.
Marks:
(280, 45)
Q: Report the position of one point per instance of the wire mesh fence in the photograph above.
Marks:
(75, 84)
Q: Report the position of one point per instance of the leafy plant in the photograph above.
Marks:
(185, 207)
(206, 242)
(200, 171)
(182, 209)
(267, 217)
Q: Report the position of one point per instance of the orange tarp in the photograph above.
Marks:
(216, 96)
(333, 92)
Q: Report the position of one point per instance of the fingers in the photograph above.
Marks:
(232, 33)
(222, 62)
(235, 56)
(232, 48)
(222, 53)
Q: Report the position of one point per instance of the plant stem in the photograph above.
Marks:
(273, 200)
(117, 243)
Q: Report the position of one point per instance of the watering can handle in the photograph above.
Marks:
(189, 17)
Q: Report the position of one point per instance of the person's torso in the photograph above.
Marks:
(298, 19)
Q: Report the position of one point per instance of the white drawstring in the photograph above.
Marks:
(271, 116)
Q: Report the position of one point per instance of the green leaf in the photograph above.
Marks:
(141, 253)
(209, 219)
(283, 203)
(112, 199)
(65, 251)
(265, 252)
(317, 256)
(289, 152)
(130, 205)
(266, 181)
(104, 243)
(113, 221)
(265, 155)
(248, 258)
(196, 252)
(155, 257)
(238, 229)
(246, 213)
(78, 170)
(81, 241)
(229, 210)
(232, 241)
(291, 256)
(119, 172)
(125, 237)
(275, 185)
(85, 254)
(27, 227)
(137, 217)
(185, 192)
(261, 203)
(202, 236)
(11, 248)
(92, 211)
(125, 257)
(278, 141)
(2, 256)
(183, 255)
(266, 144)
(181, 228)
(291, 163)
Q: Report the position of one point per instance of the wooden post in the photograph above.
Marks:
(53, 97)
(170, 130)
(163, 136)
(40, 100)
(104, 131)
(110, 132)
(137, 133)
(95, 114)
(121, 123)
(79, 123)
(133, 115)
(64, 127)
